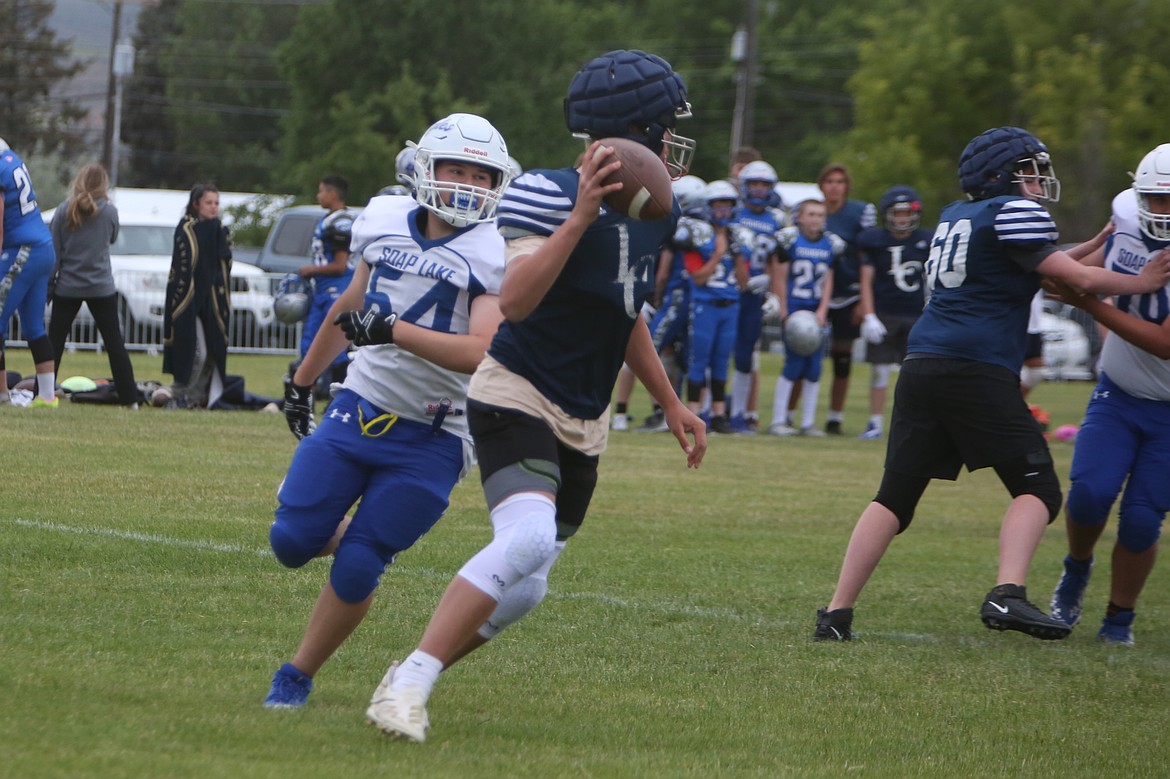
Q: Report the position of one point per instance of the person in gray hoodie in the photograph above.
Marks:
(83, 228)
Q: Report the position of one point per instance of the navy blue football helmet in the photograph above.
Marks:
(997, 160)
(635, 95)
(900, 209)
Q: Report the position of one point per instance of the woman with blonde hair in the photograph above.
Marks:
(83, 228)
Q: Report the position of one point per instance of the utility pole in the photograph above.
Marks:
(744, 53)
(123, 67)
(108, 139)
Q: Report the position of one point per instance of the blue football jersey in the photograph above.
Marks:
(809, 262)
(847, 224)
(22, 218)
(898, 263)
(982, 276)
(765, 227)
(572, 345)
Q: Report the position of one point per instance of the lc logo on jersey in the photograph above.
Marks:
(907, 274)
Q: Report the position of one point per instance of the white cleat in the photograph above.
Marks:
(399, 714)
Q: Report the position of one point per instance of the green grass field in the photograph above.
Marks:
(141, 617)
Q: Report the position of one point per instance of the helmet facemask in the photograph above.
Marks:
(1038, 169)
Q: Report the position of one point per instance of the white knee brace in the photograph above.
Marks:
(525, 539)
(520, 598)
(879, 376)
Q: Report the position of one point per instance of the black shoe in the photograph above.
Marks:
(1007, 608)
(835, 625)
(721, 424)
(833, 427)
(655, 423)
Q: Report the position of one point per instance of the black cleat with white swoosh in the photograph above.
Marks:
(835, 625)
(1007, 608)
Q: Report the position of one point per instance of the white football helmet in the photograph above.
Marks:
(803, 333)
(1153, 178)
(758, 171)
(691, 193)
(404, 167)
(517, 168)
(467, 138)
(4, 145)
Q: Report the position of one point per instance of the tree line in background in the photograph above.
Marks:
(269, 97)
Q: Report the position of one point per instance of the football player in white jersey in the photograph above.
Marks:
(1124, 442)
(423, 306)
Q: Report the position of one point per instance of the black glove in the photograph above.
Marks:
(367, 327)
(298, 409)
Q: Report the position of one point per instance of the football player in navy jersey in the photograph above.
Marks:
(761, 215)
(577, 276)
(958, 399)
(846, 219)
(1123, 446)
(26, 263)
(422, 308)
(329, 271)
(893, 291)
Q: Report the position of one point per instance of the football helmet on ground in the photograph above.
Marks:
(1153, 178)
(900, 209)
(635, 95)
(998, 160)
(465, 138)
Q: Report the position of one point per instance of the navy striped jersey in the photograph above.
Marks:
(982, 277)
(572, 345)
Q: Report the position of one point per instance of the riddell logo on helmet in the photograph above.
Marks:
(477, 152)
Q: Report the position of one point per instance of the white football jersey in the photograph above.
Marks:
(1132, 368)
(429, 284)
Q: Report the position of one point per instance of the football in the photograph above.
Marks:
(645, 194)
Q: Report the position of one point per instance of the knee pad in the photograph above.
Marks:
(291, 549)
(900, 493)
(519, 599)
(41, 349)
(1139, 528)
(525, 539)
(1033, 474)
(356, 571)
(842, 362)
(1087, 507)
(879, 376)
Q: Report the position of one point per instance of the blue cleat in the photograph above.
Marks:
(1117, 629)
(1069, 596)
(290, 688)
(872, 433)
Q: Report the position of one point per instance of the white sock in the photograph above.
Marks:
(46, 385)
(836, 416)
(418, 670)
(808, 404)
(741, 385)
(876, 421)
(780, 402)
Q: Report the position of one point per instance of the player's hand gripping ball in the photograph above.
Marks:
(645, 194)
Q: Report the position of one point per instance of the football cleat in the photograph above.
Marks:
(290, 688)
(812, 432)
(782, 430)
(720, 424)
(872, 433)
(655, 423)
(1069, 595)
(620, 422)
(835, 625)
(833, 427)
(42, 403)
(1006, 607)
(400, 714)
(1117, 629)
